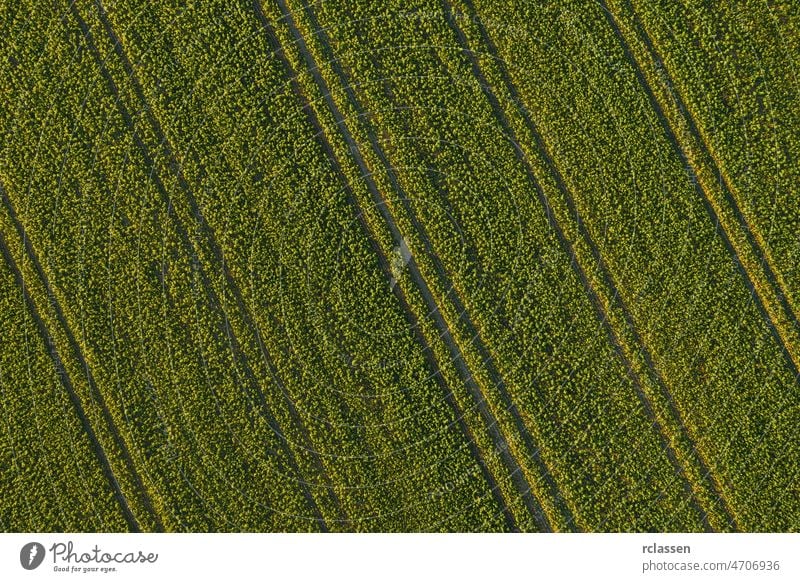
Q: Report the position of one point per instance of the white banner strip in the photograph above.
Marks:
(407, 557)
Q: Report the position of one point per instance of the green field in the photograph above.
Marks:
(467, 265)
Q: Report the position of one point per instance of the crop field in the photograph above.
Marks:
(451, 265)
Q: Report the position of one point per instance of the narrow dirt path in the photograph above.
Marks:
(518, 478)
(747, 276)
(614, 297)
(66, 380)
(214, 303)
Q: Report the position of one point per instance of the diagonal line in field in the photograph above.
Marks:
(64, 376)
(220, 259)
(747, 277)
(212, 297)
(729, 198)
(384, 262)
(518, 478)
(615, 298)
(456, 300)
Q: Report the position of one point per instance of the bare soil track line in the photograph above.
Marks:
(720, 229)
(436, 179)
(725, 187)
(384, 262)
(452, 292)
(458, 304)
(66, 381)
(214, 302)
(615, 297)
(518, 478)
(241, 306)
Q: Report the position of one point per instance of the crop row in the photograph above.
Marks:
(194, 367)
(52, 478)
(685, 291)
(447, 120)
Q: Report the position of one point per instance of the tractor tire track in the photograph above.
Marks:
(615, 297)
(65, 379)
(518, 478)
(428, 160)
(714, 216)
(384, 262)
(725, 187)
(214, 303)
(218, 255)
(452, 292)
